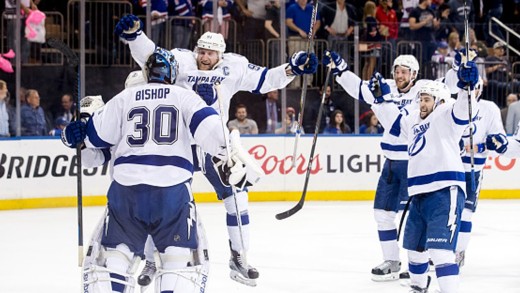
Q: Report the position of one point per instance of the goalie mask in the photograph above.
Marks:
(161, 67)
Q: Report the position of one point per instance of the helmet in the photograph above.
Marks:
(438, 90)
(89, 104)
(460, 57)
(408, 61)
(212, 41)
(134, 78)
(161, 67)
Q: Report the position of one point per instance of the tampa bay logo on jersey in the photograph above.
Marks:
(205, 79)
(473, 126)
(419, 141)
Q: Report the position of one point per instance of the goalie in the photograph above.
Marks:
(150, 192)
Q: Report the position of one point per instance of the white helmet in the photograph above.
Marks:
(212, 41)
(438, 90)
(134, 78)
(408, 61)
(89, 104)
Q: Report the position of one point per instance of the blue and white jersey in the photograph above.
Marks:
(234, 73)
(150, 128)
(394, 146)
(487, 121)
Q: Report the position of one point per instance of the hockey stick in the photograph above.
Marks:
(470, 97)
(310, 48)
(299, 205)
(230, 164)
(73, 61)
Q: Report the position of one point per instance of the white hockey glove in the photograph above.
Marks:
(253, 172)
(380, 89)
(230, 175)
(128, 27)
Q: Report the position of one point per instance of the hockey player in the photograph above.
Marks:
(200, 70)
(391, 194)
(150, 129)
(436, 180)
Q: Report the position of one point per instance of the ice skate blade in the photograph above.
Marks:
(236, 276)
(385, 278)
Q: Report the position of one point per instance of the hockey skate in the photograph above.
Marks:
(387, 271)
(459, 258)
(244, 274)
(417, 289)
(146, 276)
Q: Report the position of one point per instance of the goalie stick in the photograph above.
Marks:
(299, 205)
(310, 48)
(73, 61)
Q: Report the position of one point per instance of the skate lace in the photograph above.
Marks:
(149, 268)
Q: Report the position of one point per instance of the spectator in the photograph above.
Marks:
(243, 124)
(159, 15)
(272, 31)
(328, 107)
(453, 44)
(10, 19)
(32, 115)
(290, 125)
(59, 125)
(457, 14)
(372, 38)
(512, 113)
(495, 9)
(66, 110)
(404, 31)
(498, 70)
(223, 16)
(271, 110)
(254, 12)
(338, 25)
(424, 23)
(337, 124)
(370, 124)
(181, 28)
(504, 112)
(4, 114)
(298, 20)
(388, 24)
(445, 27)
(441, 62)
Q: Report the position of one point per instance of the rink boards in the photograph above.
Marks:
(37, 173)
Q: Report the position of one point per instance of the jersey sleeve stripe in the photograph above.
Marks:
(395, 130)
(107, 155)
(477, 161)
(261, 82)
(395, 148)
(156, 160)
(462, 121)
(199, 116)
(93, 136)
(435, 177)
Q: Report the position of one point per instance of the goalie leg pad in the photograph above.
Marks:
(232, 222)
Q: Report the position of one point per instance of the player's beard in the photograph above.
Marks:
(425, 112)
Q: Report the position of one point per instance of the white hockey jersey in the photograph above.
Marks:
(234, 73)
(394, 146)
(487, 121)
(150, 128)
(433, 144)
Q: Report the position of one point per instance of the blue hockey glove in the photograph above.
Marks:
(128, 27)
(206, 92)
(339, 65)
(303, 63)
(497, 143)
(74, 134)
(467, 74)
(380, 89)
(460, 57)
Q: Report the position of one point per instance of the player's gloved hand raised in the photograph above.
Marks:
(128, 27)
(206, 91)
(467, 74)
(303, 63)
(460, 57)
(379, 88)
(74, 134)
(497, 143)
(338, 64)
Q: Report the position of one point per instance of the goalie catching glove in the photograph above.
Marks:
(244, 171)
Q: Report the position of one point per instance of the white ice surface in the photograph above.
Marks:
(326, 247)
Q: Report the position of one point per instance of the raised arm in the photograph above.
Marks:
(129, 29)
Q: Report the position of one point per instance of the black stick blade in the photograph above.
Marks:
(287, 214)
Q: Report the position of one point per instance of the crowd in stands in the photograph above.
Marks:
(438, 25)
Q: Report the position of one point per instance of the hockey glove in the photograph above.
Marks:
(380, 89)
(235, 175)
(339, 65)
(460, 57)
(74, 134)
(497, 143)
(206, 92)
(467, 74)
(128, 27)
(303, 63)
